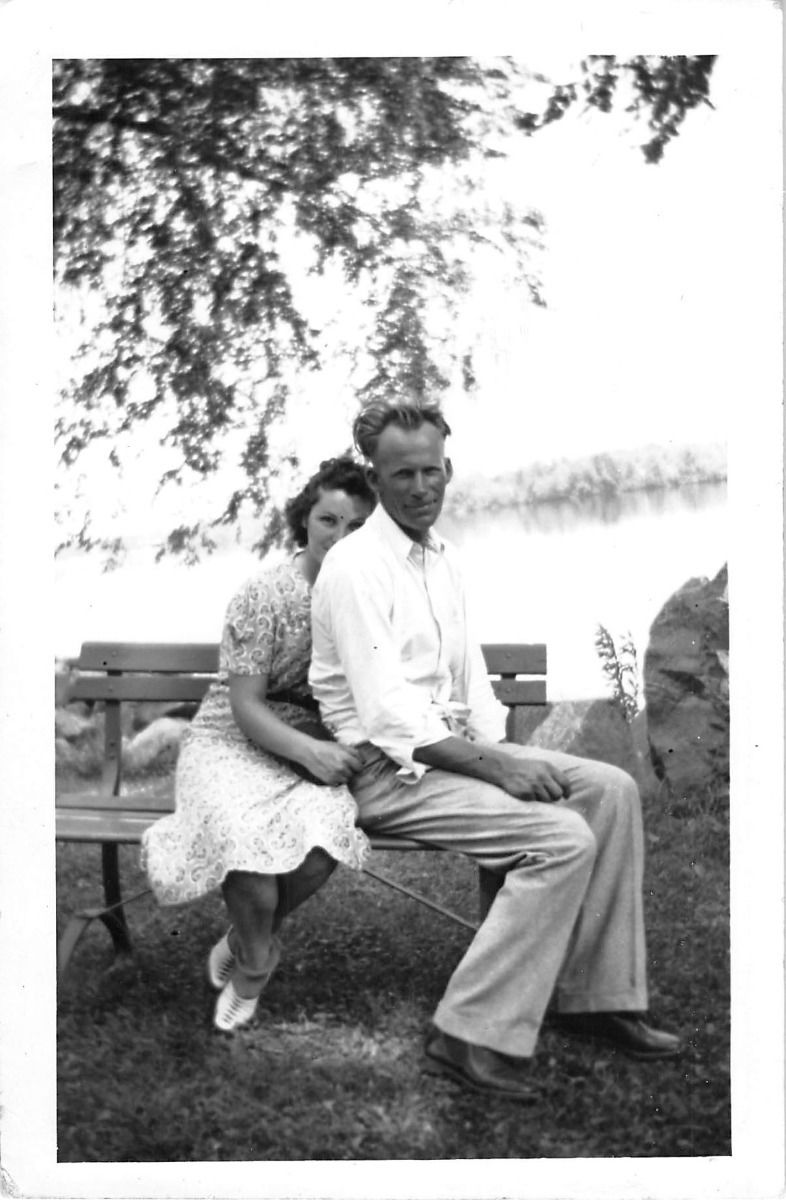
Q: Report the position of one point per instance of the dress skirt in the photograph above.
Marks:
(238, 808)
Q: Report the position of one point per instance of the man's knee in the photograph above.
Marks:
(602, 781)
(567, 838)
(580, 836)
(620, 789)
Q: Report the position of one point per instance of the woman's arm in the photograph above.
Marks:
(328, 761)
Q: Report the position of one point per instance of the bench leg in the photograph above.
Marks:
(79, 922)
(421, 899)
(68, 942)
(489, 883)
(115, 920)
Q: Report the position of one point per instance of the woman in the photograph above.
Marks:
(251, 812)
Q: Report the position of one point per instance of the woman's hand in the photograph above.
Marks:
(331, 763)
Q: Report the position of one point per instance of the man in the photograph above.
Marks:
(398, 676)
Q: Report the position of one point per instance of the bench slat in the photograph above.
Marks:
(76, 825)
(200, 657)
(503, 658)
(520, 691)
(158, 801)
(140, 687)
(123, 825)
(193, 687)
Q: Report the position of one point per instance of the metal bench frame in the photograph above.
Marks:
(111, 814)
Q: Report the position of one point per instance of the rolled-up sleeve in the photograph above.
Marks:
(352, 626)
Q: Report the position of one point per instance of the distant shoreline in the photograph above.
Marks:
(604, 476)
(589, 480)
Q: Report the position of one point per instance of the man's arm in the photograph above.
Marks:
(351, 622)
(524, 778)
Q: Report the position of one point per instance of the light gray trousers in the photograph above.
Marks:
(567, 923)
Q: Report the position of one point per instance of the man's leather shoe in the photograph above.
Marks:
(626, 1030)
(480, 1068)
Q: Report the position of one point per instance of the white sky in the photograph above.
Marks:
(651, 276)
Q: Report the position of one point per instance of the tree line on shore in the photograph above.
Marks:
(604, 475)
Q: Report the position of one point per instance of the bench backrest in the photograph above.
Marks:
(114, 672)
(184, 670)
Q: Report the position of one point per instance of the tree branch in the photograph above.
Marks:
(104, 116)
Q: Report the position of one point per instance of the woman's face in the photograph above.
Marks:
(334, 515)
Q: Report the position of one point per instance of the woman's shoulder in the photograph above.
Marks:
(273, 579)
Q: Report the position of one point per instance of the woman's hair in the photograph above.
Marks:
(377, 415)
(334, 475)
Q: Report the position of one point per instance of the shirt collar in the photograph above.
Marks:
(399, 542)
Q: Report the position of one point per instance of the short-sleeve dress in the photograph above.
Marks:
(237, 807)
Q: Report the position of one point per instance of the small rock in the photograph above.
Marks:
(64, 678)
(70, 725)
(157, 745)
(145, 712)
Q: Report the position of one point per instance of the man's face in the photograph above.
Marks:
(410, 473)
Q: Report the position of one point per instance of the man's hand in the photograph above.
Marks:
(493, 762)
(531, 778)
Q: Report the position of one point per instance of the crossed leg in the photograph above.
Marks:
(567, 918)
(257, 904)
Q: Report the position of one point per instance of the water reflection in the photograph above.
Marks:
(548, 572)
(554, 572)
(561, 516)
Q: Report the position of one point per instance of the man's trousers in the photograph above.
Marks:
(566, 926)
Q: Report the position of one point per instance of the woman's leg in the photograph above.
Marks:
(296, 886)
(251, 901)
(257, 904)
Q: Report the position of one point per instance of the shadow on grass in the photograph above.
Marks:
(333, 1069)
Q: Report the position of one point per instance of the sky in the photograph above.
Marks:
(651, 274)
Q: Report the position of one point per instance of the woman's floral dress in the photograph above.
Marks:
(238, 808)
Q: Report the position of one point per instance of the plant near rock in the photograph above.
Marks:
(620, 665)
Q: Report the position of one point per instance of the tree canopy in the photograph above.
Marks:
(193, 197)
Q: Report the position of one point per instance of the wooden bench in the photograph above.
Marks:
(112, 813)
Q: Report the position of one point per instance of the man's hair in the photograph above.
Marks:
(376, 416)
(334, 475)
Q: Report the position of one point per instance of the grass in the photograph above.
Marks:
(333, 1067)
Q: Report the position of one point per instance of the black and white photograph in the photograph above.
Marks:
(392, 510)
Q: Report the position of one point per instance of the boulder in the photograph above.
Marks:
(686, 690)
(82, 755)
(145, 712)
(71, 725)
(79, 740)
(593, 729)
(155, 747)
(64, 677)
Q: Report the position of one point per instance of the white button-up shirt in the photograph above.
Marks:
(392, 661)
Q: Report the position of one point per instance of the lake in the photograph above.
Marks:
(549, 573)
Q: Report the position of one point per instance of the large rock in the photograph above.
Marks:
(593, 729)
(71, 725)
(686, 689)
